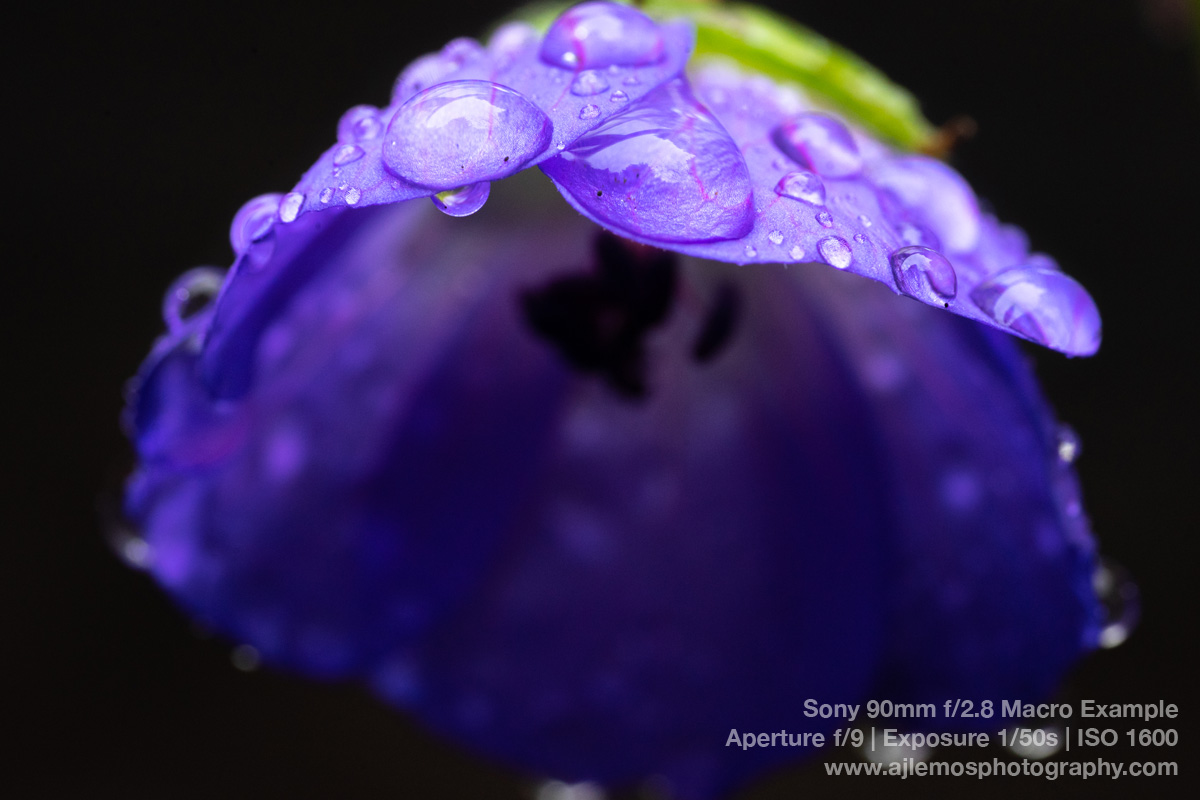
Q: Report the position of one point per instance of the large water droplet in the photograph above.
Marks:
(836, 252)
(1119, 597)
(253, 221)
(359, 124)
(803, 186)
(825, 219)
(464, 132)
(594, 35)
(1043, 305)
(664, 169)
(590, 111)
(347, 154)
(924, 274)
(189, 294)
(588, 83)
(821, 144)
(289, 206)
(464, 201)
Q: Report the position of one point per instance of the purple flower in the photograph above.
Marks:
(579, 499)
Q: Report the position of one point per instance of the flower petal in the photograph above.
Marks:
(992, 554)
(823, 191)
(519, 105)
(414, 486)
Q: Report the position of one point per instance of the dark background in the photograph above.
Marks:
(141, 131)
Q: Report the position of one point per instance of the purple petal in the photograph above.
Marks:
(993, 559)
(377, 167)
(664, 170)
(825, 192)
(416, 487)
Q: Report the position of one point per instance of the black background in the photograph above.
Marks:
(141, 131)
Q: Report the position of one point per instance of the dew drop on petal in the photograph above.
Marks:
(463, 201)
(353, 195)
(796, 252)
(189, 294)
(751, 252)
(359, 124)
(864, 220)
(347, 154)
(464, 132)
(289, 206)
(803, 186)
(825, 218)
(253, 221)
(590, 111)
(776, 237)
(326, 194)
(618, 97)
(1043, 305)
(595, 35)
(1067, 444)
(588, 83)
(924, 274)
(835, 251)
(1119, 598)
(663, 168)
(821, 144)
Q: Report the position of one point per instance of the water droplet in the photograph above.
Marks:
(464, 132)
(190, 293)
(245, 658)
(1119, 597)
(253, 221)
(326, 194)
(924, 274)
(801, 185)
(821, 144)
(1045, 306)
(557, 790)
(631, 80)
(1067, 445)
(860, 238)
(776, 237)
(835, 251)
(864, 220)
(825, 218)
(359, 124)
(464, 201)
(353, 195)
(796, 252)
(751, 252)
(595, 35)
(1036, 743)
(590, 111)
(664, 169)
(618, 97)
(588, 83)
(289, 206)
(347, 154)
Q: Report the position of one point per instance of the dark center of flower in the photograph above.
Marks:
(598, 320)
